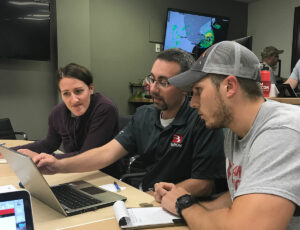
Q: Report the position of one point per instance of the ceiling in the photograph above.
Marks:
(246, 1)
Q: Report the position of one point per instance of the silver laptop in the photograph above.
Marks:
(70, 198)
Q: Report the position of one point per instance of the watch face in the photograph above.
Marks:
(183, 202)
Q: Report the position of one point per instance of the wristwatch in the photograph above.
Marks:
(183, 202)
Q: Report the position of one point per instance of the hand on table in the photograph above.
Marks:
(46, 163)
(167, 194)
(160, 190)
(169, 199)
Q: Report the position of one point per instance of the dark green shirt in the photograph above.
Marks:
(184, 149)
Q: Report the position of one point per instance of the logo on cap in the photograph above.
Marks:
(203, 53)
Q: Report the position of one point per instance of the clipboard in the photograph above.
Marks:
(146, 217)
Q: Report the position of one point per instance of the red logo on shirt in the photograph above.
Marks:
(235, 172)
(177, 138)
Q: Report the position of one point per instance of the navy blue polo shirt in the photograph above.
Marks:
(184, 149)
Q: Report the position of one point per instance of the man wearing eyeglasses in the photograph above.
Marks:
(171, 140)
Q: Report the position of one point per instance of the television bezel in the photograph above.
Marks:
(51, 53)
(247, 39)
(194, 13)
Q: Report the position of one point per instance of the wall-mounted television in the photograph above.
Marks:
(194, 32)
(25, 29)
(245, 41)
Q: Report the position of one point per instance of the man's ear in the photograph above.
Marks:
(231, 85)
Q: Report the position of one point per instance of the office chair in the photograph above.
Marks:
(133, 175)
(129, 175)
(126, 161)
(7, 131)
(123, 120)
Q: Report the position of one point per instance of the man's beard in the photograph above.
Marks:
(162, 105)
(222, 117)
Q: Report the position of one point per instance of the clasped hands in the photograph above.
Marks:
(167, 194)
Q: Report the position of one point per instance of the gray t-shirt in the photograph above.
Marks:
(267, 159)
(296, 72)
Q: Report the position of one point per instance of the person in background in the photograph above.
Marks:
(261, 146)
(84, 120)
(294, 78)
(171, 140)
(270, 57)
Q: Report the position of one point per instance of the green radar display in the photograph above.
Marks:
(194, 32)
(208, 40)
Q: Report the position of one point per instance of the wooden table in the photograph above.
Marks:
(288, 100)
(47, 218)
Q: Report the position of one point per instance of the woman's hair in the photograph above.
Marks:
(74, 70)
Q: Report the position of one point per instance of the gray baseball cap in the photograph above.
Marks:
(270, 50)
(226, 58)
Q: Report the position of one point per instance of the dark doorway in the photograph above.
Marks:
(296, 38)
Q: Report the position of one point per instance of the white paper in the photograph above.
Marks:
(148, 216)
(274, 91)
(121, 212)
(7, 188)
(3, 161)
(111, 187)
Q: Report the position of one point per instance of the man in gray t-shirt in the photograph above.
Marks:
(262, 146)
(266, 160)
(294, 78)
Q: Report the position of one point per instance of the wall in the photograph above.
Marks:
(271, 23)
(73, 32)
(111, 38)
(28, 91)
(27, 95)
(120, 51)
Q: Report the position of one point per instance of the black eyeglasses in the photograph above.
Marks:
(160, 82)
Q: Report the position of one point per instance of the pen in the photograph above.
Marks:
(117, 186)
(21, 185)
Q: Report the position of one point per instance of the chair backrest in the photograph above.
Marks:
(123, 121)
(6, 129)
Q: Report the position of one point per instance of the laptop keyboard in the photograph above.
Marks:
(72, 198)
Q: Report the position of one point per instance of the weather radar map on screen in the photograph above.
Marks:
(192, 32)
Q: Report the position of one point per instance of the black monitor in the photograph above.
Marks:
(285, 90)
(194, 32)
(25, 29)
(245, 41)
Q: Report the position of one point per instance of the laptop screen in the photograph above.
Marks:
(285, 90)
(15, 211)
